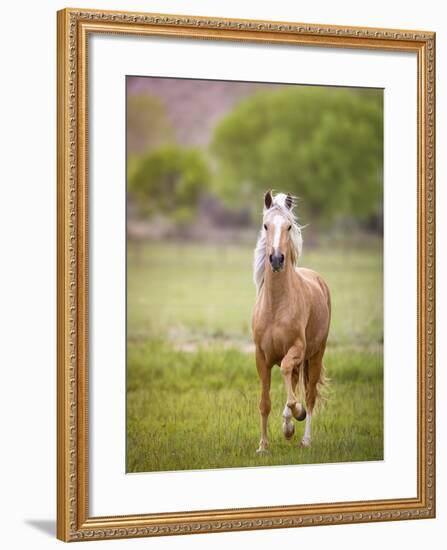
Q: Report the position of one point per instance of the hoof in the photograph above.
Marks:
(262, 450)
(288, 429)
(305, 442)
(299, 412)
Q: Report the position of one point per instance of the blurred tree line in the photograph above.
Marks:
(324, 145)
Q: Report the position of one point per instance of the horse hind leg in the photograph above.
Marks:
(313, 377)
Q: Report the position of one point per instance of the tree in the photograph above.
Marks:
(324, 145)
(168, 182)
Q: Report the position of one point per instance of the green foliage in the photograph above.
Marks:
(323, 145)
(168, 181)
(147, 124)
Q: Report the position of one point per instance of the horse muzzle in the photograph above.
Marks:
(277, 261)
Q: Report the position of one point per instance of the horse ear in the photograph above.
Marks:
(268, 199)
(289, 201)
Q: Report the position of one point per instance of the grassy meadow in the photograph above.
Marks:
(192, 385)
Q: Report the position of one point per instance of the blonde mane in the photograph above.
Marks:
(279, 207)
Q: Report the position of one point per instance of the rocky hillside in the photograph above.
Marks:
(194, 106)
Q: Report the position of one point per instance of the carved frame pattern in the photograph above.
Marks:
(73, 521)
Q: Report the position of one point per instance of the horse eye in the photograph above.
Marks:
(265, 227)
(289, 228)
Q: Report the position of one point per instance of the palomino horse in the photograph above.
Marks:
(291, 317)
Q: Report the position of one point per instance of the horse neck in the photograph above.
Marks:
(278, 286)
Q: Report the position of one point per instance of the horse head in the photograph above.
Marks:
(282, 233)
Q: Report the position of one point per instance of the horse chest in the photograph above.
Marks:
(276, 339)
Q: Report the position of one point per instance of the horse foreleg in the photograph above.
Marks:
(264, 372)
(289, 369)
(298, 411)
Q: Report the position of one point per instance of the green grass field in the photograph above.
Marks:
(192, 386)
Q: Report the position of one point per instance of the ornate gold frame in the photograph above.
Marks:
(73, 519)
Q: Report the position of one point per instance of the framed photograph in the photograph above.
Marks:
(246, 274)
